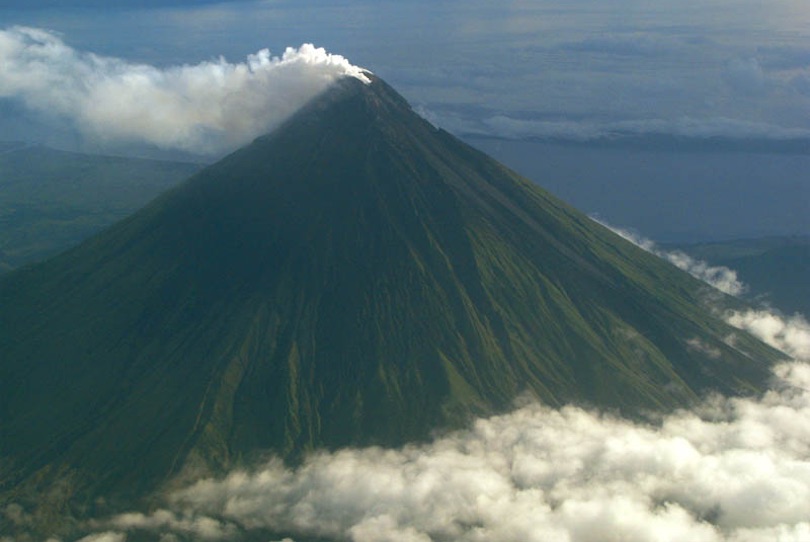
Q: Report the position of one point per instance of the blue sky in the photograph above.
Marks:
(573, 69)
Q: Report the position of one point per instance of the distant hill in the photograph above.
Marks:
(777, 269)
(50, 199)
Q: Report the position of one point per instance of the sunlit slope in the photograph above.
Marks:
(355, 277)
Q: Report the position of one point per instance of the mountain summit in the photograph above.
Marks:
(356, 277)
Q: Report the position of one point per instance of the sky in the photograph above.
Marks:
(572, 69)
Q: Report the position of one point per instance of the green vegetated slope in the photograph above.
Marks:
(357, 277)
(51, 200)
(777, 269)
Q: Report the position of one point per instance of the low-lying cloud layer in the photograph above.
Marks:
(208, 108)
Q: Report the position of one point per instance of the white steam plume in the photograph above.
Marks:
(208, 108)
(721, 277)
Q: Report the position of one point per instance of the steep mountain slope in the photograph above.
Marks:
(356, 277)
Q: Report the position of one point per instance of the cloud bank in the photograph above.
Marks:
(208, 108)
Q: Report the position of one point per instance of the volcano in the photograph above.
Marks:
(356, 277)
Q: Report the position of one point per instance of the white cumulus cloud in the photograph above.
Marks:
(790, 335)
(207, 108)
